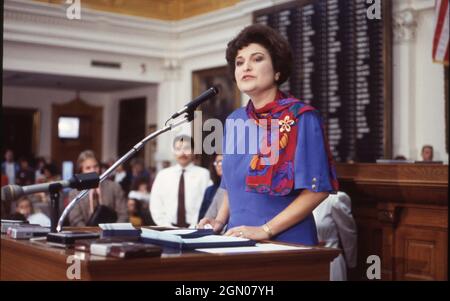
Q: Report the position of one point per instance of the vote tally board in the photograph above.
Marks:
(342, 66)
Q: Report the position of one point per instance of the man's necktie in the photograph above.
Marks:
(181, 212)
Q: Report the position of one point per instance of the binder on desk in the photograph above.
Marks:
(119, 230)
(84, 245)
(125, 249)
(27, 231)
(6, 223)
(208, 241)
(69, 238)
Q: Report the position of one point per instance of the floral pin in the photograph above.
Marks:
(285, 124)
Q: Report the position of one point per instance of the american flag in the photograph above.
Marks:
(440, 41)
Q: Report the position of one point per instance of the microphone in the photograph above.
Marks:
(211, 92)
(78, 181)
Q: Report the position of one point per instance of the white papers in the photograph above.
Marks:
(160, 235)
(170, 236)
(117, 226)
(180, 231)
(259, 247)
(214, 238)
(101, 249)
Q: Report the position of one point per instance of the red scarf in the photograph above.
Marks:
(264, 176)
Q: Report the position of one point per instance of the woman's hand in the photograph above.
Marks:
(215, 224)
(254, 233)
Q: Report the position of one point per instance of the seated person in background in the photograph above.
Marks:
(25, 207)
(427, 153)
(337, 229)
(49, 174)
(41, 200)
(9, 167)
(4, 180)
(138, 211)
(108, 194)
(39, 168)
(152, 172)
(25, 175)
(177, 191)
(142, 186)
(212, 199)
(400, 157)
(120, 173)
(138, 171)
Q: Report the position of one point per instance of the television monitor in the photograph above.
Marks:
(68, 127)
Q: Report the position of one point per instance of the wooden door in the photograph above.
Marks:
(132, 115)
(20, 131)
(90, 131)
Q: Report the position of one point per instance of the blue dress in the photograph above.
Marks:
(311, 172)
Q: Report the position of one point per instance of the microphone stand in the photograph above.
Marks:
(188, 117)
(54, 191)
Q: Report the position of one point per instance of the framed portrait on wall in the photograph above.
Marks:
(219, 107)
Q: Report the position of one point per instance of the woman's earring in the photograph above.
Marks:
(277, 76)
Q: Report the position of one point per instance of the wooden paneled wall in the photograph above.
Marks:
(401, 211)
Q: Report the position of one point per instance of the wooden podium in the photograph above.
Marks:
(25, 260)
(401, 212)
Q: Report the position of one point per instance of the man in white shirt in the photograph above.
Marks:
(177, 191)
(336, 228)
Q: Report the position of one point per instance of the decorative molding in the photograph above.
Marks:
(46, 24)
(172, 69)
(416, 5)
(404, 26)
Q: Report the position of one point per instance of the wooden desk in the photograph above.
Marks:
(25, 260)
(401, 212)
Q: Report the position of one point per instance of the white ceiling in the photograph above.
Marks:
(39, 80)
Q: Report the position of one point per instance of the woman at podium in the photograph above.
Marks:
(272, 189)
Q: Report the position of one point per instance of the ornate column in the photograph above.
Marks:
(404, 32)
(168, 103)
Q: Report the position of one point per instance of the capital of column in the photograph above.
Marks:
(404, 26)
(171, 69)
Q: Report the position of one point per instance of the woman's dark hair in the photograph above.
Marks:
(138, 182)
(52, 169)
(137, 207)
(16, 216)
(274, 42)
